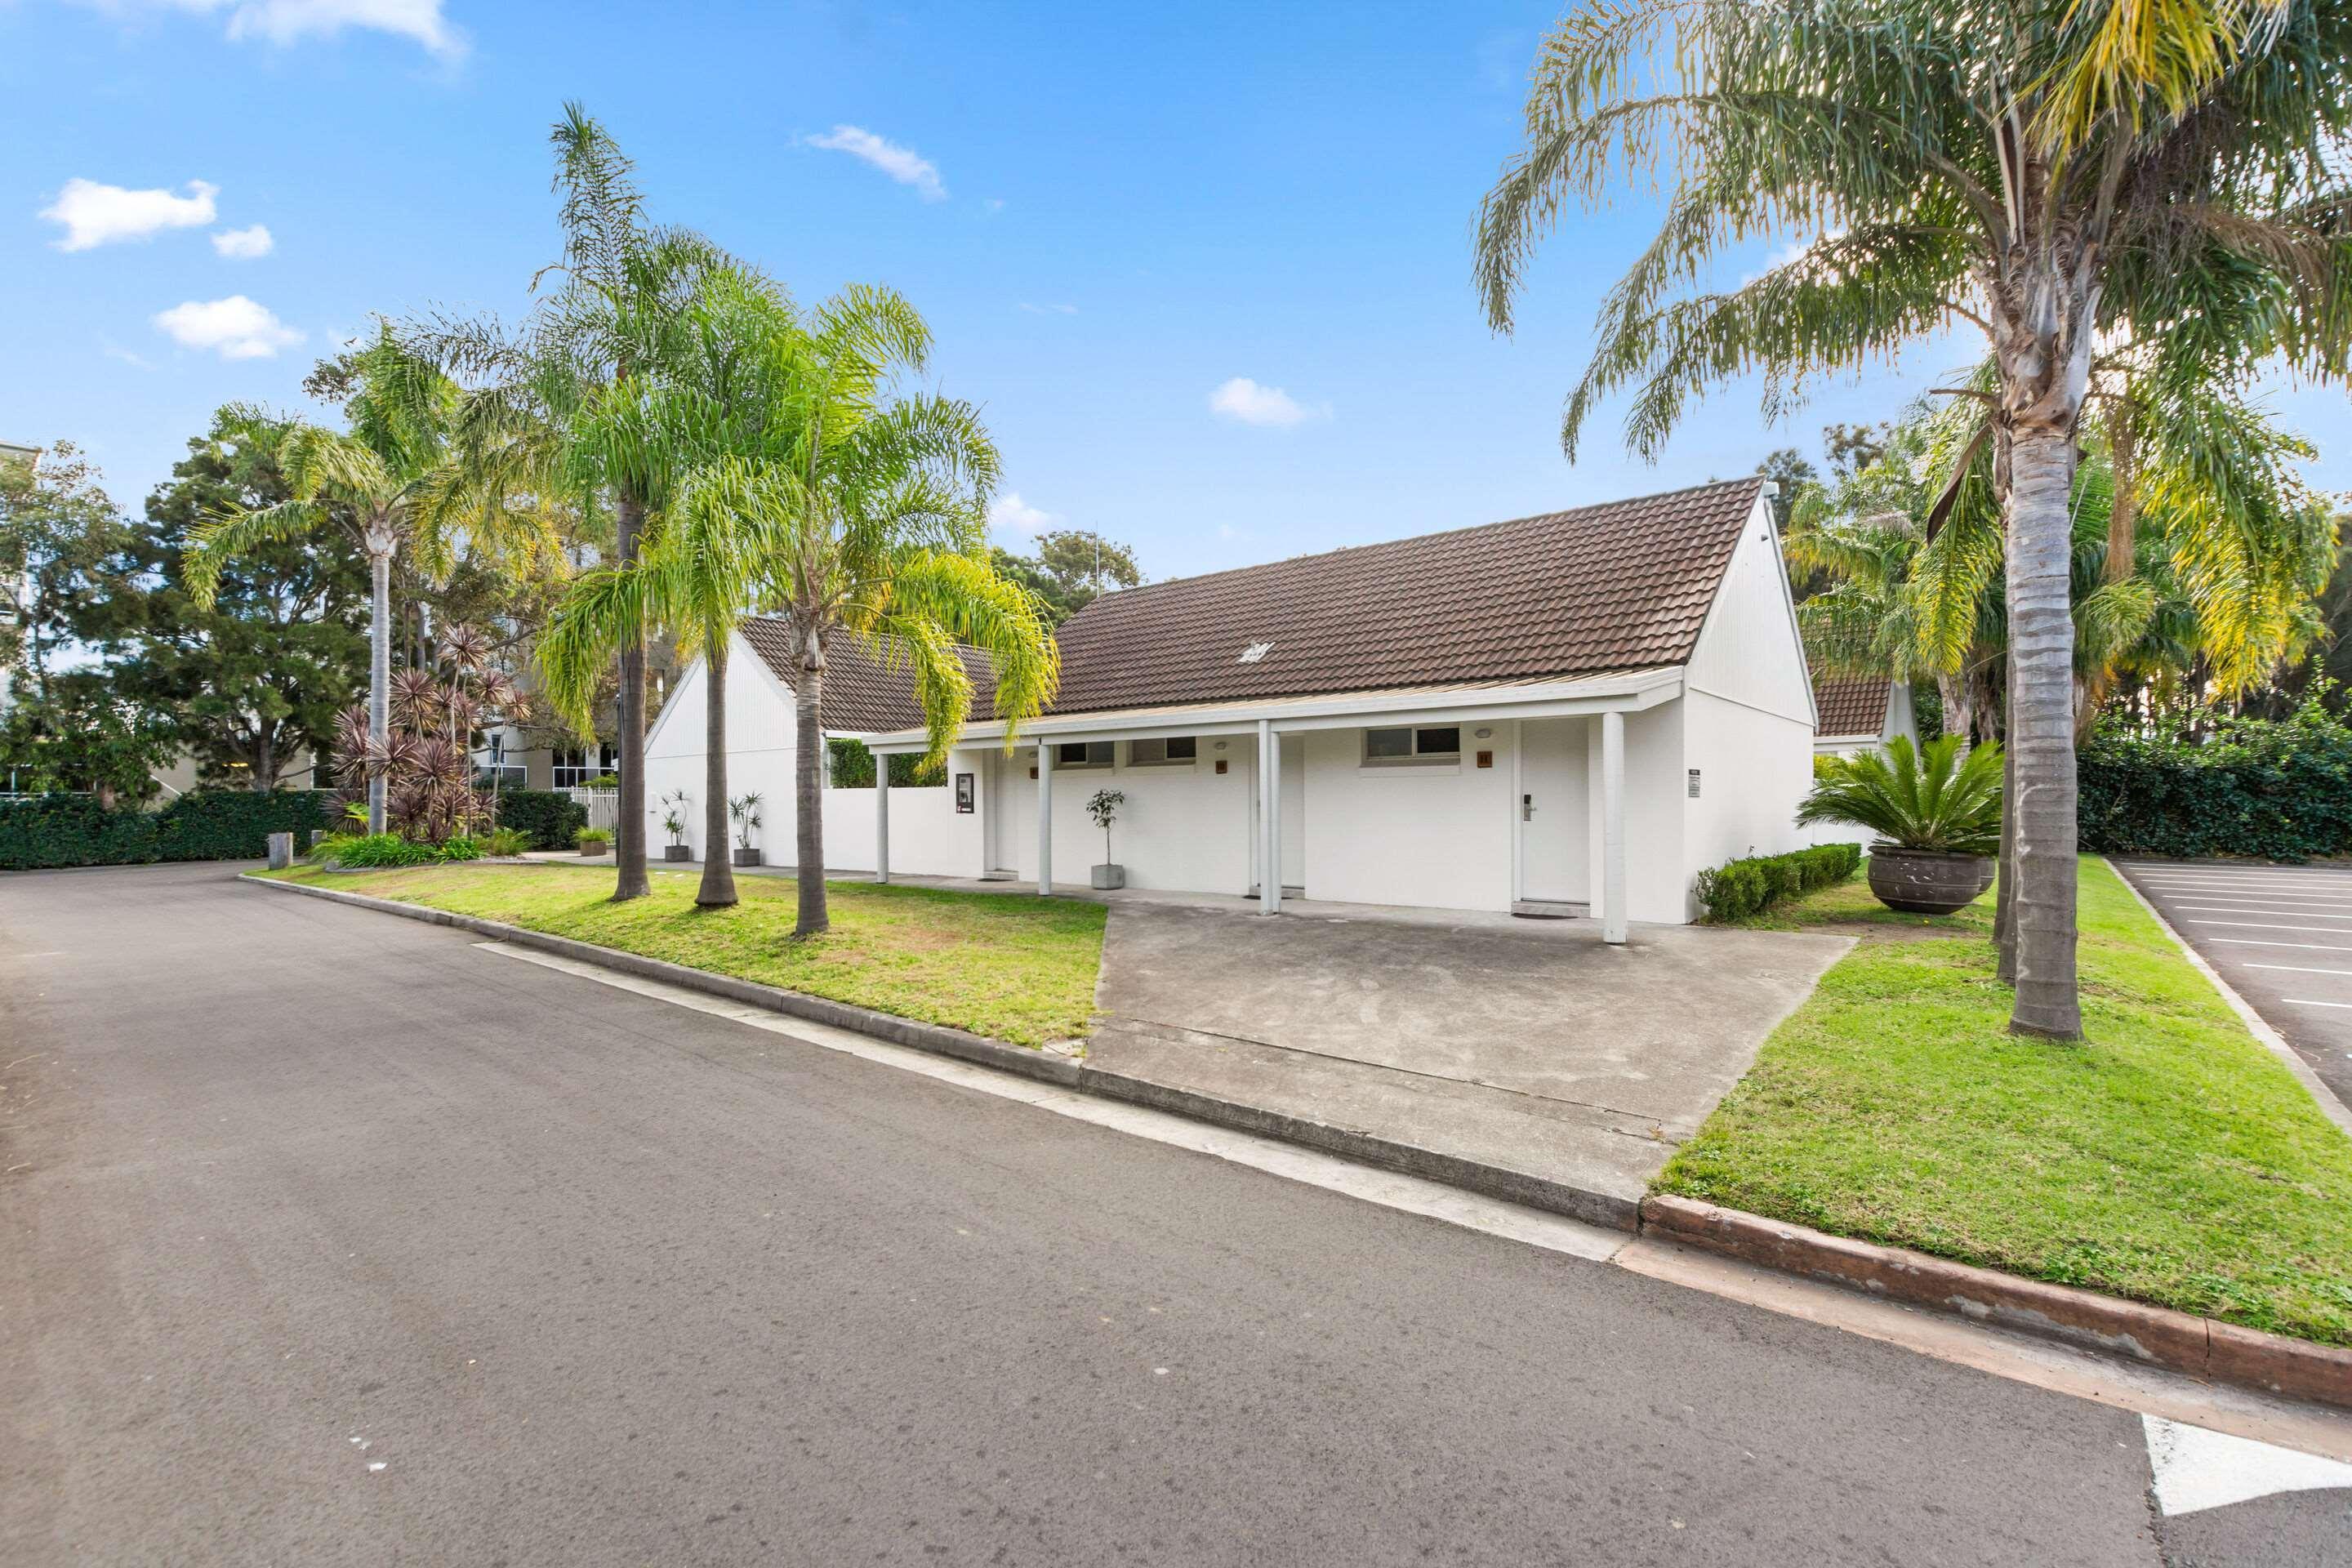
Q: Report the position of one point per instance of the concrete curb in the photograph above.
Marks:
(2153, 1336)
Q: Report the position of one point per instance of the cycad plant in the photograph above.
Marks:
(2087, 183)
(1942, 796)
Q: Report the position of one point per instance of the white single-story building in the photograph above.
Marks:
(1861, 713)
(1567, 714)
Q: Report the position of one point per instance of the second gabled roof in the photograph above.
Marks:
(1615, 587)
(1850, 704)
(865, 694)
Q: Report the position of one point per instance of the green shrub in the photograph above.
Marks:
(592, 835)
(506, 843)
(2214, 785)
(460, 846)
(853, 768)
(549, 816)
(368, 851)
(203, 825)
(1739, 888)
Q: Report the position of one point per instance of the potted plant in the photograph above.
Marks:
(1935, 809)
(1104, 809)
(673, 820)
(594, 841)
(745, 811)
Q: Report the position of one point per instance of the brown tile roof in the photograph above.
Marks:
(863, 695)
(1615, 587)
(1850, 704)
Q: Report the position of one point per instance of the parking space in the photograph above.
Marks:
(2282, 935)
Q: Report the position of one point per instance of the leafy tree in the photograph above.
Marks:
(378, 483)
(1788, 469)
(256, 679)
(58, 530)
(1071, 569)
(2094, 186)
(1850, 448)
(75, 733)
(625, 288)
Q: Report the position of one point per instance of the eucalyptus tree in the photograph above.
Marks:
(2041, 172)
(615, 311)
(375, 481)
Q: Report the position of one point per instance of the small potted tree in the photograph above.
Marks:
(1935, 809)
(674, 806)
(594, 841)
(745, 811)
(1104, 809)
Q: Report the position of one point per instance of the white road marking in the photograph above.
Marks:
(2196, 1470)
(2271, 925)
(2296, 968)
(2306, 1002)
(2258, 941)
(2263, 909)
(2040, 1363)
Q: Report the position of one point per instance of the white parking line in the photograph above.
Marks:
(2296, 968)
(2258, 941)
(2250, 909)
(2263, 899)
(2273, 925)
(2307, 1002)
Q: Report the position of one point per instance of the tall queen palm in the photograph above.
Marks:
(2028, 170)
(618, 310)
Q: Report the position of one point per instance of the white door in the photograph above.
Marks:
(1554, 805)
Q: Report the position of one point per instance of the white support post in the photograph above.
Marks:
(1045, 818)
(1269, 821)
(1612, 826)
(881, 819)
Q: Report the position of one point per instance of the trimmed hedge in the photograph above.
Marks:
(853, 768)
(549, 816)
(55, 830)
(1737, 889)
(2269, 789)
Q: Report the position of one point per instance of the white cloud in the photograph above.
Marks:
(244, 243)
(235, 327)
(903, 164)
(1008, 514)
(284, 22)
(1049, 310)
(115, 351)
(1246, 401)
(95, 215)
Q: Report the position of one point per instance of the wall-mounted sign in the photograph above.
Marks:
(964, 795)
(1693, 784)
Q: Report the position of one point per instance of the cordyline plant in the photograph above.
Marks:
(2151, 193)
(422, 767)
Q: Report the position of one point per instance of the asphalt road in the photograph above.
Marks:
(331, 1238)
(2280, 935)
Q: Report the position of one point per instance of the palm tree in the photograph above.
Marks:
(2082, 202)
(372, 480)
(873, 508)
(626, 289)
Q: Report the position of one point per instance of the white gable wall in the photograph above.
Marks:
(1747, 714)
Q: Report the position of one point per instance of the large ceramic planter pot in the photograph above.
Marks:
(594, 850)
(747, 857)
(676, 852)
(1928, 881)
(1109, 877)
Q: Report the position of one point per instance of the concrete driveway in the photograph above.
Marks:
(1527, 1045)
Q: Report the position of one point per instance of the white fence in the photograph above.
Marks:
(604, 806)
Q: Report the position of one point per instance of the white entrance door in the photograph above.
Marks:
(1555, 848)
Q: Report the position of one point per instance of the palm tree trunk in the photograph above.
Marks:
(2041, 733)
(379, 667)
(717, 889)
(2004, 902)
(629, 831)
(808, 800)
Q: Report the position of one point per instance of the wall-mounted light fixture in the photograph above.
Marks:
(1485, 734)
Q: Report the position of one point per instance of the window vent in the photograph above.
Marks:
(1256, 651)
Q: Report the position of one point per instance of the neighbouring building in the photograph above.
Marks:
(1566, 714)
(1861, 713)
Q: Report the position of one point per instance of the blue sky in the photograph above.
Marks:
(1110, 215)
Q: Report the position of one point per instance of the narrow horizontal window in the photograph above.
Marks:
(1388, 745)
(1404, 747)
(1083, 754)
(1153, 753)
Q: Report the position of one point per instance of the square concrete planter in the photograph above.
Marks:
(750, 857)
(592, 850)
(676, 852)
(1109, 876)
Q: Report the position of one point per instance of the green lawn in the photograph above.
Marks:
(2169, 1157)
(1014, 967)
